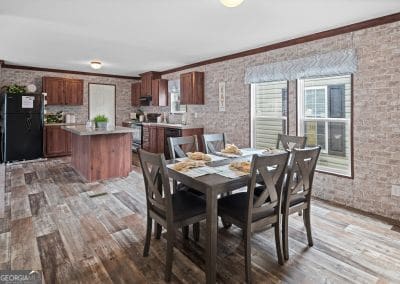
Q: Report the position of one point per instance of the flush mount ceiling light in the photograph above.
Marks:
(95, 65)
(231, 3)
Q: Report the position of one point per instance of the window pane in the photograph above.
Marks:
(270, 110)
(325, 120)
(315, 133)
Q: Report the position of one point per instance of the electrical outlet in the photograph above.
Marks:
(396, 190)
(195, 115)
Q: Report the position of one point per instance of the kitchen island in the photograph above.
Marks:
(99, 154)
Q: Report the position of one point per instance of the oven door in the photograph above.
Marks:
(137, 137)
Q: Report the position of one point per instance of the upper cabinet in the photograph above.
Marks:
(153, 86)
(159, 92)
(192, 88)
(146, 80)
(54, 87)
(73, 90)
(135, 95)
(61, 91)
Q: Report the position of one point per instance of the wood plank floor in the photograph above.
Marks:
(49, 222)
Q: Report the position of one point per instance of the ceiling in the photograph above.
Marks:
(134, 36)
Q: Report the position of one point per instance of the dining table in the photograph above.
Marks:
(212, 186)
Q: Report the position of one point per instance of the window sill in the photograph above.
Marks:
(341, 175)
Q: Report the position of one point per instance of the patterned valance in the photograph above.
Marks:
(328, 64)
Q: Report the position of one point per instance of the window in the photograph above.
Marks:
(324, 116)
(176, 106)
(269, 113)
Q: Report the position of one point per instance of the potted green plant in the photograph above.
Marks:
(101, 121)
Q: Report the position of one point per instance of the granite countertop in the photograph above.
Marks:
(61, 124)
(170, 125)
(83, 131)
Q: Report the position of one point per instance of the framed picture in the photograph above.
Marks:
(221, 97)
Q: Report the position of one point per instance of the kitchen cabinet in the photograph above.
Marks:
(54, 87)
(62, 91)
(73, 91)
(135, 94)
(192, 88)
(153, 139)
(159, 92)
(57, 142)
(146, 82)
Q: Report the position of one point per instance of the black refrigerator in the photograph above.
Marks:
(21, 127)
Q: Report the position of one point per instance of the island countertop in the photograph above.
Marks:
(81, 130)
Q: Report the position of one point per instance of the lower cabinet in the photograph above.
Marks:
(57, 142)
(153, 139)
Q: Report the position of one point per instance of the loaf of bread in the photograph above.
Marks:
(231, 149)
(240, 166)
(198, 156)
(188, 164)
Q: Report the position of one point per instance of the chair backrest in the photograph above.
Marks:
(301, 174)
(214, 142)
(272, 171)
(284, 140)
(156, 181)
(179, 146)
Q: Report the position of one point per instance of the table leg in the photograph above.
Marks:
(211, 239)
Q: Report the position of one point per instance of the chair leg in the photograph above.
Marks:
(170, 253)
(278, 243)
(148, 237)
(185, 232)
(157, 230)
(285, 236)
(247, 249)
(307, 224)
(196, 231)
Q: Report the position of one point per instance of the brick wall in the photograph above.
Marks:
(376, 113)
(123, 90)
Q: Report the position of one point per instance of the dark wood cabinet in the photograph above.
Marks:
(135, 94)
(62, 91)
(54, 87)
(57, 142)
(159, 92)
(73, 91)
(192, 88)
(153, 86)
(146, 82)
(153, 139)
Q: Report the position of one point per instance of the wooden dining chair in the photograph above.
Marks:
(179, 146)
(214, 142)
(297, 191)
(171, 211)
(284, 140)
(255, 213)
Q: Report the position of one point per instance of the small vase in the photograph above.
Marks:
(101, 125)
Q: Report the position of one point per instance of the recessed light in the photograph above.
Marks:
(231, 3)
(95, 65)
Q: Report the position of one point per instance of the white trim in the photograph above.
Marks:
(301, 119)
(252, 114)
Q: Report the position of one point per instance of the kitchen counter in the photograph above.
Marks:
(61, 124)
(99, 154)
(81, 130)
(170, 125)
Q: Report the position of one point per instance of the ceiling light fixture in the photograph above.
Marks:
(95, 65)
(231, 3)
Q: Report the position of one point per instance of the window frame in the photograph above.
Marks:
(253, 107)
(300, 124)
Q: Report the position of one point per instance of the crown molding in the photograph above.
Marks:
(312, 37)
(31, 68)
